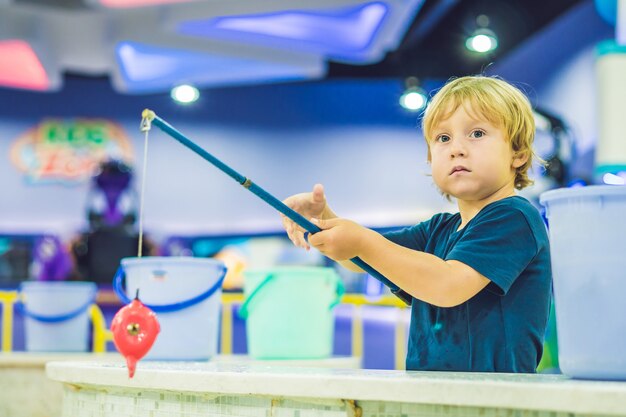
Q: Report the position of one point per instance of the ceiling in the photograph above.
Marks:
(147, 46)
(434, 45)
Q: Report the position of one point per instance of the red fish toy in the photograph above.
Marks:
(135, 328)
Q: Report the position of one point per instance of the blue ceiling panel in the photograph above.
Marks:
(350, 33)
(332, 33)
(146, 68)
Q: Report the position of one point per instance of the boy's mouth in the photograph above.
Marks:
(459, 168)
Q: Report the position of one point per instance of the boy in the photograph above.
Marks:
(481, 278)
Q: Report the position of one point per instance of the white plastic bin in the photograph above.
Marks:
(56, 315)
(185, 293)
(587, 227)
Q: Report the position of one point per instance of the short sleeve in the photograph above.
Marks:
(499, 245)
(413, 237)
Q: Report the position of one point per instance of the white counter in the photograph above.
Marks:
(342, 362)
(25, 391)
(289, 391)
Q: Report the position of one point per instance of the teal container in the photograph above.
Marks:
(289, 312)
(587, 232)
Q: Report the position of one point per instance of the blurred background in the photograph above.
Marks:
(287, 93)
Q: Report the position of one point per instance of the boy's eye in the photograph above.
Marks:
(442, 138)
(477, 134)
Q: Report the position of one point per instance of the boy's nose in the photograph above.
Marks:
(457, 149)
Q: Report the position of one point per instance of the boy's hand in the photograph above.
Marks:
(340, 239)
(309, 205)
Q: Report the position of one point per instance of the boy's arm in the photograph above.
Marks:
(422, 275)
(349, 265)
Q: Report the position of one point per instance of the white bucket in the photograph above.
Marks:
(185, 293)
(587, 229)
(56, 315)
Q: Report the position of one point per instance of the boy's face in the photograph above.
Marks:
(471, 158)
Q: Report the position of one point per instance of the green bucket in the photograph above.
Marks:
(289, 312)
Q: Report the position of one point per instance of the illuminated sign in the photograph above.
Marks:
(69, 151)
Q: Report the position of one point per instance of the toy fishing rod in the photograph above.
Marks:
(149, 117)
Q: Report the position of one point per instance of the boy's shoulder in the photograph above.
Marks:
(443, 218)
(505, 210)
(514, 203)
(517, 207)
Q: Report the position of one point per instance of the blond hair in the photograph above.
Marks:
(497, 101)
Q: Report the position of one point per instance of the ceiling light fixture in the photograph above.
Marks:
(483, 39)
(414, 97)
(185, 94)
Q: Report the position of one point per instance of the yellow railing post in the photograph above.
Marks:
(226, 335)
(8, 299)
(359, 300)
(357, 331)
(400, 341)
(101, 334)
(226, 338)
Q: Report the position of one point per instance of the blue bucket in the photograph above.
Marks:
(185, 293)
(56, 315)
(587, 227)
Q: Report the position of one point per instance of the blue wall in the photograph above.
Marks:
(350, 135)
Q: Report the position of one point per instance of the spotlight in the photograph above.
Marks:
(414, 97)
(482, 40)
(185, 94)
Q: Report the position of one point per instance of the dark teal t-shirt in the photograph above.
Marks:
(500, 329)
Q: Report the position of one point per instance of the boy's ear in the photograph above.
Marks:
(519, 159)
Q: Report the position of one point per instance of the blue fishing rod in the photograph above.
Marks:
(149, 117)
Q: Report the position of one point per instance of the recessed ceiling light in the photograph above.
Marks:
(185, 94)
